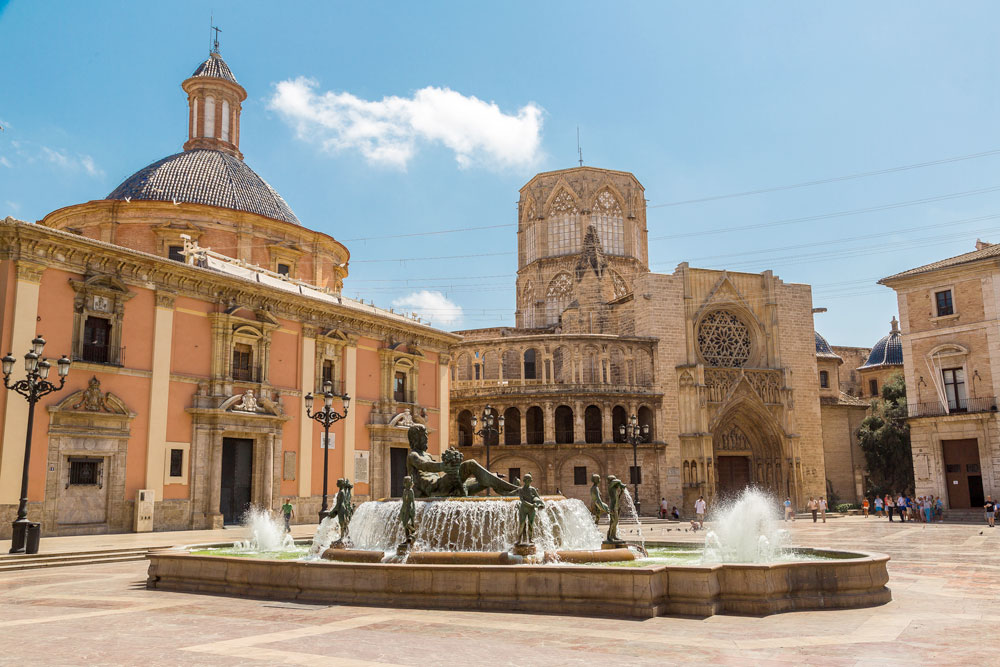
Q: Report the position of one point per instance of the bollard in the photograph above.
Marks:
(33, 537)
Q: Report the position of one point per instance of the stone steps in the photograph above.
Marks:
(17, 562)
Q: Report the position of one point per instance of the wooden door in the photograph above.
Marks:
(397, 470)
(732, 474)
(237, 478)
(962, 474)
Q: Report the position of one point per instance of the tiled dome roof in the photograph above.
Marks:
(888, 351)
(206, 177)
(215, 67)
(823, 348)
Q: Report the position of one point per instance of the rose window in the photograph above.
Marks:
(724, 340)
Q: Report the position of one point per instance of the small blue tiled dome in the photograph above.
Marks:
(823, 348)
(888, 351)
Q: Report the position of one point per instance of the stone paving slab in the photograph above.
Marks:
(945, 611)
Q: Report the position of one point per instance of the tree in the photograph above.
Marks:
(884, 437)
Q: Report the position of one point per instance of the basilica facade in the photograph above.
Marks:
(721, 366)
(198, 312)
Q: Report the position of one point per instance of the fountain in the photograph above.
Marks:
(444, 547)
(264, 533)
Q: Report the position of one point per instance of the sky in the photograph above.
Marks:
(380, 123)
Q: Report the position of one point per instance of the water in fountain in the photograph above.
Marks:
(745, 530)
(264, 533)
(328, 531)
(487, 525)
(630, 516)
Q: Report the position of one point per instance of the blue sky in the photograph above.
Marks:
(696, 99)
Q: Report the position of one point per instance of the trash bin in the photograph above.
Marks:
(33, 537)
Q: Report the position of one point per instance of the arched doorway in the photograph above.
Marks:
(512, 426)
(534, 426)
(564, 425)
(645, 417)
(592, 423)
(618, 419)
(747, 448)
(464, 428)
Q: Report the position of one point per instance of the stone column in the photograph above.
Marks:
(579, 423)
(607, 434)
(267, 497)
(549, 425)
(214, 513)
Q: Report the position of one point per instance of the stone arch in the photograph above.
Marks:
(643, 367)
(531, 369)
(558, 296)
(618, 372)
(593, 422)
(561, 365)
(564, 425)
(463, 367)
(491, 366)
(511, 364)
(564, 228)
(465, 428)
(646, 417)
(591, 365)
(748, 446)
(512, 427)
(524, 461)
(608, 219)
(534, 425)
(619, 417)
(564, 474)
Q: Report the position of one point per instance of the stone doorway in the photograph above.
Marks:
(732, 475)
(237, 478)
(962, 473)
(397, 470)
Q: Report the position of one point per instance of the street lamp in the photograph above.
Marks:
(634, 434)
(326, 416)
(487, 430)
(33, 387)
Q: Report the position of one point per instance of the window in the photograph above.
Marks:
(399, 387)
(84, 472)
(564, 230)
(945, 306)
(953, 467)
(873, 387)
(954, 388)
(175, 252)
(529, 364)
(328, 372)
(242, 361)
(176, 462)
(973, 468)
(607, 218)
(224, 134)
(97, 340)
(529, 244)
(284, 269)
(824, 379)
(514, 475)
(580, 475)
(209, 117)
(635, 475)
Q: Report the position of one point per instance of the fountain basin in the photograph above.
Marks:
(482, 557)
(852, 580)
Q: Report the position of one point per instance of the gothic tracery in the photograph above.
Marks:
(724, 340)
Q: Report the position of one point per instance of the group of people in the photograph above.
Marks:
(666, 512)
(926, 509)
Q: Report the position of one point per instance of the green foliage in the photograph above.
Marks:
(845, 507)
(884, 437)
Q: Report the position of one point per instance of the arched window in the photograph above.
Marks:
(618, 419)
(724, 339)
(512, 426)
(558, 297)
(224, 133)
(592, 425)
(464, 428)
(511, 365)
(534, 426)
(209, 116)
(491, 366)
(591, 373)
(607, 217)
(617, 366)
(528, 305)
(564, 225)
(564, 425)
(560, 364)
(464, 367)
(530, 371)
(529, 231)
(646, 419)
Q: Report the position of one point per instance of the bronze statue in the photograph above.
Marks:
(408, 514)
(449, 477)
(530, 503)
(616, 495)
(597, 506)
(343, 508)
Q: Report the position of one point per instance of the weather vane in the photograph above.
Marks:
(215, 41)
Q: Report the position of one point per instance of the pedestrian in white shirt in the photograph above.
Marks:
(822, 508)
(699, 510)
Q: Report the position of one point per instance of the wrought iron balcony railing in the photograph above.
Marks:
(101, 354)
(961, 406)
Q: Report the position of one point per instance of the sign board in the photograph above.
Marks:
(361, 467)
(323, 443)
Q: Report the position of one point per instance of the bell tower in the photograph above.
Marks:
(214, 103)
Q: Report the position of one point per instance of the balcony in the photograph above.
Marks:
(101, 354)
(242, 374)
(472, 388)
(965, 406)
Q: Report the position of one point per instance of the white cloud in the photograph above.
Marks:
(433, 306)
(388, 132)
(64, 161)
(4, 162)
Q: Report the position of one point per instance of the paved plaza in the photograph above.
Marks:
(945, 610)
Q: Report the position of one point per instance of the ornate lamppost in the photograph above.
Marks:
(487, 430)
(327, 417)
(33, 387)
(634, 434)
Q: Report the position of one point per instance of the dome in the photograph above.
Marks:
(215, 67)
(206, 177)
(823, 348)
(888, 351)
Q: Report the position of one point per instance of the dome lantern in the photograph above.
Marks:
(215, 101)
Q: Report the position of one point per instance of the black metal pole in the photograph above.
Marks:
(324, 512)
(19, 531)
(635, 468)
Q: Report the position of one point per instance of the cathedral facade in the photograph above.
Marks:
(720, 366)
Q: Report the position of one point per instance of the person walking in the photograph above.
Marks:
(864, 507)
(878, 506)
(927, 509)
(788, 509)
(663, 508)
(822, 509)
(939, 509)
(813, 507)
(901, 507)
(288, 511)
(989, 507)
(889, 506)
(699, 510)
